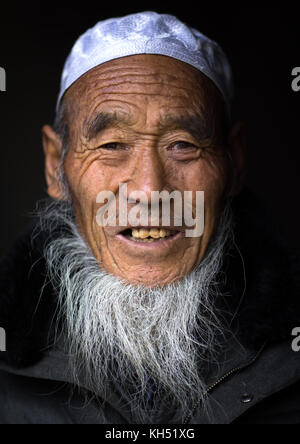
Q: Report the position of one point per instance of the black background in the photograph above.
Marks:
(262, 44)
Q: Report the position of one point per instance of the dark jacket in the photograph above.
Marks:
(256, 381)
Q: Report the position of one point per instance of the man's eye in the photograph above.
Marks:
(112, 146)
(182, 146)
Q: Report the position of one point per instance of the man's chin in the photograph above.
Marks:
(149, 277)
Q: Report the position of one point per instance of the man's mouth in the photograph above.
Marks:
(148, 234)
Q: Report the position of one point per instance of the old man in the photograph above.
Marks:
(115, 316)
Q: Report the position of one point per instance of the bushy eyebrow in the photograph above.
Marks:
(191, 123)
(102, 121)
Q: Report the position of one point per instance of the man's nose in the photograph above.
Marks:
(148, 174)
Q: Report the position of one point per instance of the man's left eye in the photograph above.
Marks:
(181, 145)
(112, 146)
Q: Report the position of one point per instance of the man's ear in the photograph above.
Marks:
(237, 145)
(53, 151)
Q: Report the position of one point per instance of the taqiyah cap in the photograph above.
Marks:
(147, 33)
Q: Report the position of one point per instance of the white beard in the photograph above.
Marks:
(122, 335)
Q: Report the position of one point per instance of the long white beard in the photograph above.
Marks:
(130, 337)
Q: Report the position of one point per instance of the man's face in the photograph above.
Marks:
(153, 123)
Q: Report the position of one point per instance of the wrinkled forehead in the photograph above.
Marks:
(143, 79)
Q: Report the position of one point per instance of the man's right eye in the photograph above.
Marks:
(111, 146)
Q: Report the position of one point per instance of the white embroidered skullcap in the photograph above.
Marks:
(147, 33)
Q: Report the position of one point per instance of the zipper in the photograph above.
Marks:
(227, 375)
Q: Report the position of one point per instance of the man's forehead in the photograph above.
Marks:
(134, 73)
(116, 88)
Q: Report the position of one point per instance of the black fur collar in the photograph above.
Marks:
(270, 308)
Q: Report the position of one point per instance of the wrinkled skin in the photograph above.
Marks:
(141, 149)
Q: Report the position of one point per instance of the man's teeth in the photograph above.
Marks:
(153, 233)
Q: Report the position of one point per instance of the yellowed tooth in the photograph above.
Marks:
(135, 233)
(164, 232)
(143, 233)
(155, 233)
